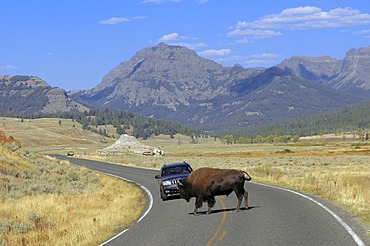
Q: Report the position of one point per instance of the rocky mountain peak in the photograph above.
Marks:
(166, 75)
(350, 75)
(356, 63)
(312, 68)
(31, 94)
(23, 81)
(173, 83)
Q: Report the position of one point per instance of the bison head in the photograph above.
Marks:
(185, 189)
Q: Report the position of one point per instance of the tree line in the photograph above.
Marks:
(123, 121)
(230, 139)
(353, 119)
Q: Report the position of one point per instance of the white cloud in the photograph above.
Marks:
(259, 62)
(170, 37)
(220, 52)
(176, 39)
(264, 56)
(307, 17)
(263, 59)
(8, 67)
(116, 20)
(254, 33)
(138, 17)
(364, 33)
(300, 18)
(230, 59)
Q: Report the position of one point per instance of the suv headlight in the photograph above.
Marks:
(165, 183)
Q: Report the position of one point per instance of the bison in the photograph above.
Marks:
(206, 183)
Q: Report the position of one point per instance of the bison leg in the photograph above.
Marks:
(246, 199)
(240, 193)
(240, 198)
(198, 204)
(211, 202)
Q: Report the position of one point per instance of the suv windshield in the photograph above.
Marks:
(176, 170)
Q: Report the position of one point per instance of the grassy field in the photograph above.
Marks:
(53, 134)
(50, 202)
(333, 167)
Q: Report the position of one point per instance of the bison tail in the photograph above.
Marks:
(246, 176)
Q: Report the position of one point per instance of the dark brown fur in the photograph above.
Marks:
(206, 183)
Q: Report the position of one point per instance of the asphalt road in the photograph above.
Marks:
(275, 217)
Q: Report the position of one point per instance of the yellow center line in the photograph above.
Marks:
(223, 234)
(209, 243)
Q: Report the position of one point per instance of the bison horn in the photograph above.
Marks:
(179, 183)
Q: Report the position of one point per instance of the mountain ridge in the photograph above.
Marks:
(349, 75)
(170, 82)
(174, 83)
(32, 94)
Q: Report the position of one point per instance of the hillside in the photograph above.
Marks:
(52, 133)
(32, 94)
(35, 190)
(174, 83)
(278, 96)
(352, 120)
(56, 135)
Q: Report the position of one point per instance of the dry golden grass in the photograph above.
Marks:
(81, 219)
(333, 167)
(45, 133)
(342, 179)
(86, 214)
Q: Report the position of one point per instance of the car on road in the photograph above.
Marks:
(169, 176)
(70, 153)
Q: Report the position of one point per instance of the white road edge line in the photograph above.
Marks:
(354, 236)
(144, 214)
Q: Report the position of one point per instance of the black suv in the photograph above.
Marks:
(168, 177)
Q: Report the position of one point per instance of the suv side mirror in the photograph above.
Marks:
(157, 177)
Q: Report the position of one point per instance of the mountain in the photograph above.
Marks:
(281, 96)
(349, 75)
(174, 83)
(164, 76)
(32, 94)
(319, 69)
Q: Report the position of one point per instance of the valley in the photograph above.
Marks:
(334, 167)
(330, 166)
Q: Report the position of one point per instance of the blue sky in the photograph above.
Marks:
(73, 44)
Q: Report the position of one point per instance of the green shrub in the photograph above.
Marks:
(285, 151)
(22, 227)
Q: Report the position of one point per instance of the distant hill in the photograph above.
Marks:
(354, 119)
(351, 75)
(32, 94)
(174, 83)
(282, 96)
